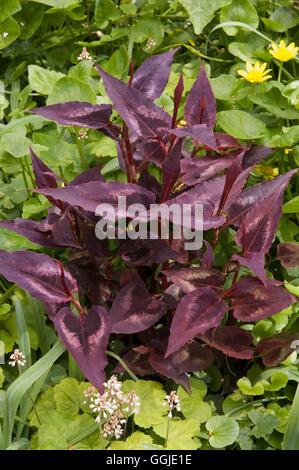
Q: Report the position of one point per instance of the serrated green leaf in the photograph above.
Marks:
(42, 80)
(181, 434)
(242, 11)
(71, 89)
(136, 441)
(201, 12)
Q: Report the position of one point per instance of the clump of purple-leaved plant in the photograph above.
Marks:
(174, 311)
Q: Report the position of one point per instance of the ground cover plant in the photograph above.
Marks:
(144, 344)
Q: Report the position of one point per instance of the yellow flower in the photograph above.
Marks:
(283, 52)
(256, 73)
(287, 151)
(266, 170)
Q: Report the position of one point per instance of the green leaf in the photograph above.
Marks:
(151, 395)
(291, 288)
(8, 8)
(282, 19)
(264, 422)
(2, 377)
(287, 137)
(30, 19)
(291, 438)
(193, 406)
(57, 3)
(201, 12)
(242, 11)
(136, 441)
(240, 124)
(19, 387)
(117, 63)
(223, 431)
(71, 89)
(11, 241)
(42, 80)
(245, 51)
(292, 206)
(233, 405)
(9, 31)
(224, 86)
(105, 10)
(288, 230)
(82, 70)
(181, 435)
(15, 144)
(67, 396)
(148, 28)
(247, 388)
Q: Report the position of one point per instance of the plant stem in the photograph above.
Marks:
(101, 436)
(167, 433)
(279, 72)
(123, 364)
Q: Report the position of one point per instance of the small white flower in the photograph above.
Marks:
(4, 35)
(173, 402)
(17, 358)
(150, 44)
(84, 55)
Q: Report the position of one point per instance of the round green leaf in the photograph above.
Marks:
(9, 31)
(223, 431)
(242, 11)
(241, 125)
(8, 8)
(71, 89)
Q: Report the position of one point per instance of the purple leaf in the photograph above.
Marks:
(252, 301)
(77, 113)
(259, 224)
(201, 169)
(177, 97)
(152, 76)
(137, 359)
(152, 151)
(288, 254)
(276, 349)
(255, 262)
(86, 337)
(40, 275)
(197, 312)
(225, 141)
(62, 231)
(168, 367)
(235, 180)
(134, 309)
(146, 252)
(92, 174)
(207, 259)
(200, 133)
(44, 177)
(255, 154)
(89, 195)
(200, 105)
(140, 114)
(171, 167)
(207, 193)
(254, 194)
(189, 279)
(232, 341)
(31, 229)
(193, 357)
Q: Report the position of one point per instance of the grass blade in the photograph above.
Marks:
(291, 437)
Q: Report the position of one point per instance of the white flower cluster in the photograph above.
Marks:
(84, 55)
(150, 44)
(173, 402)
(113, 406)
(17, 358)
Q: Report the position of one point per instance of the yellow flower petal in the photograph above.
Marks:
(243, 73)
(266, 78)
(249, 67)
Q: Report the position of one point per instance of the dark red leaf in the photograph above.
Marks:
(39, 274)
(86, 338)
(140, 114)
(189, 279)
(44, 176)
(252, 301)
(31, 229)
(146, 252)
(200, 105)
(152, 76)
(200, 133)
(288, 254)
(77, 113)
(276, 349)
(168, 368)
(233, 341)
(197, 312)
(201, 169)
(134, 309)
(255, 262)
